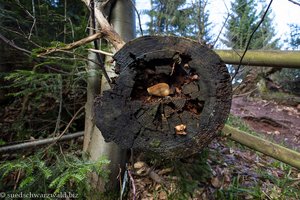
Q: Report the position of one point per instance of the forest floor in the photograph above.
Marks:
(228, 170)
(280, 123)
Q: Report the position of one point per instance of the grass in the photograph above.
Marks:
(269, 185)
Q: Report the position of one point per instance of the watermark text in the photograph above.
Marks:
(31, 195)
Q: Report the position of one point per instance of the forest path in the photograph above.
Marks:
(278, 122)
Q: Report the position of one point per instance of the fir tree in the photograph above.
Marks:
(179, 18)
(242, 23)
(294, 40)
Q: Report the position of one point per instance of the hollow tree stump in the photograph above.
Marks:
(193, 101)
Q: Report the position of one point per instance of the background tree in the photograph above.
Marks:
(46, 95)
(31, 26)
(180, 18)
(294, 40)
(121, 14)
(243, 21)
(289, 79)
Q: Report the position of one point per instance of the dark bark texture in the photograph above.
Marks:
(178, 123)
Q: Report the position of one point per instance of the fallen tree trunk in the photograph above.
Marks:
(171, 97)
(26, 145)
(266, 147)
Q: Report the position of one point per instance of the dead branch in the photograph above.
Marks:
(250, 39)
(106, 29)
(133, 184)
(107, 32)
(35, 143)
(101, 52)
(72, 45)
(138, 16)
(12, 44)
(142, 169)
(294, 2)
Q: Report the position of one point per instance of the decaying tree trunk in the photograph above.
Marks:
(172, 97)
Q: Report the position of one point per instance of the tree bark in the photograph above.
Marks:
(170, 123)
(123, 20)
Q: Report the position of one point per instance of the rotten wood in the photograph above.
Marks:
(131, 117)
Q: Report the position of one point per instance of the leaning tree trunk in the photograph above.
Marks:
(123, 20)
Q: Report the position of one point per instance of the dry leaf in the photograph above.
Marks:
(195, 77)
(165, 171)
(162, 195)
(138, 165)
(180, 129)
(157, 187)
(227, 178)
(216, 182)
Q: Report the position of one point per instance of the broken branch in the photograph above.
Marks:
(106, 29)
(72, 45)
(102, 52)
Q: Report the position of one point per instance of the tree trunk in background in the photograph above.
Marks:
(123, 19)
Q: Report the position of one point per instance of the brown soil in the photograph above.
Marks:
(278, 122)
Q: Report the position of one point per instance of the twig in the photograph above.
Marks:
(125, 179)
(34, 20)
(17, 180)
(106, 29)
(228, 15)
(138, 15)
(119, 177)
(72, 29)
(12, 44)
(249, 41)
(33, 25)
(72, 45)
(96, 43)
(67, 127)
(17, 33)
(219, 34)
(101, 52)
(31, 15)
(133, 184)
(63, 58)
(294, 2)
(60, 105)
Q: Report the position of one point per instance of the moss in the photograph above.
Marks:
(155, 143)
